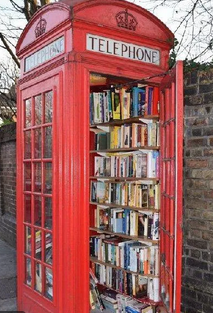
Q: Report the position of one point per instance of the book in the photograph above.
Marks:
(122, 302)
(125, 103)
(156, 99)
(109, 303)
(95, 299)
(102, 217)
(138, 99)
(116, 105)
(142, 225)
(117, 220)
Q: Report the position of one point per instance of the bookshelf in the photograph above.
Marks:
(124, 196)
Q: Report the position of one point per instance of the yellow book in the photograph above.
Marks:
(116, 105)
(116, 139)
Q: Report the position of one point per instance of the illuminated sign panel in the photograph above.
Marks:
(122, 49)
(46, 53)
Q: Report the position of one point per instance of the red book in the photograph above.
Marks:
(156, 98)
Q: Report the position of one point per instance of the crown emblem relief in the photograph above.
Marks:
(126, 20)
(40, 27)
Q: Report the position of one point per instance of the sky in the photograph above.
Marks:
(169, 14)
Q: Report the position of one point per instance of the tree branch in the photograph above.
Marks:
(9, 50)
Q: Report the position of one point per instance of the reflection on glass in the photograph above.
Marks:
(38, 277)
(27, 144)
(28, 242)
(48, 107)
(48, 178)
(28, 113)
(37, 138)
(37, 175)
(48, 142)
(27, 208)
(37, 210)
(28, 278)
(27, 176)
(48, 248)
(48, 213)
(38, 110)
(38, 244)
(49, 283)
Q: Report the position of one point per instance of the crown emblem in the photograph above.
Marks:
(126, 20)
(40, 27)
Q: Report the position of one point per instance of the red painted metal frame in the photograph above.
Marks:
(26, 293)
(171, 119)
(68, 75)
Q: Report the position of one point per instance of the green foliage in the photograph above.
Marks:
(173, 54)
(191, 65)
(6, 122)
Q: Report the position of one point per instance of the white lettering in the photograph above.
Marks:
(122, 49)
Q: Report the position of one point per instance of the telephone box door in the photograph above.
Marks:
(37, 182)
(171, 119)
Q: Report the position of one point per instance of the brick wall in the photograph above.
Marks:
(197, 292)
(8, 183)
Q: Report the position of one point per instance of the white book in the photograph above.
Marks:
(156, 289)
(157, 197)
(155, 228)
(113, 164)
(97, 108)
(157, 261)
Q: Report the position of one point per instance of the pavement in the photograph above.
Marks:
(7, 278)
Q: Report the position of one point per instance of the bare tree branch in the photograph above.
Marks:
(10, 31)
(9, 50)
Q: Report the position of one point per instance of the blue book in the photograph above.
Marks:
(141, 102)
(150, 100)
(91, 110)
(129, 309)
(138, 100)
(134, 101)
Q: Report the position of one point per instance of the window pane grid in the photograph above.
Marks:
(37, 222)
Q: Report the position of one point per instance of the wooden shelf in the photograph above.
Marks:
(126, 149)
(136, 238)
(98, 311)
(145, 300)
(134, 208)
(126, 121)
(154, 180)
(95, 260)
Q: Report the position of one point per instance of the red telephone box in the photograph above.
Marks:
(69, 55)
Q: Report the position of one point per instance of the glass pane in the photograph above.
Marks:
(27, 144)
(48, 213)
(28, 240)
(48, 177)
(37, 210)
(37, 174)
(27, 176)
(48, 142)
(37, 138)
(38, 110)
(38, 244)
(27, 208)
(49, 283)
(48, 248)
(48, 107)
(28, 113)
(28, 278)
(38, 277)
